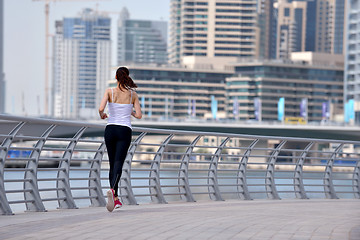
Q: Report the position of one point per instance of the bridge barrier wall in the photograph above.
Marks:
(63, 164)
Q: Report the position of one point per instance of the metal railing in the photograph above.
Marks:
(51, 163)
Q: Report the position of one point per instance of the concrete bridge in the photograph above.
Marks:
(175, 185)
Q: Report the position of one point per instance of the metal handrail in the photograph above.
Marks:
(65, 162)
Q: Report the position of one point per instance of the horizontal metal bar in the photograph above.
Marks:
(52, 199)
(202, 162)
(49, 189)
(89, 141)
(205, 177)
(84, 197)
(143, 186)
(198, 170)
(142, 178)
(173, 194)
(20, 201)
(82, 188)
(144, 195)
(200, 185)
(170, 186)
(20, 148)
(170, 161)
(17, 180)
(84, 178)
(51, 169)
(211, 192)
(61, 149)
(81, 169)
(86, 150)
(170, 169)
(18, 169)
(49, 179)
(19, 159)
(53, 159)
(18, 191)
(231, 192)
(161, 178)
(259, 184)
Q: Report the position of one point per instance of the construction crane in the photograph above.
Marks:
(47, 35)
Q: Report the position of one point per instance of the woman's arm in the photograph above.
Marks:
(137, 113)
(103, 103)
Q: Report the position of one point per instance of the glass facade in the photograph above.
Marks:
(294, 82)
(141, 41)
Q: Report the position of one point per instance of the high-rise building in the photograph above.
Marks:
(210, 29)
(329, 26)
(352, 56)
(267, 20)
(141, 41)
(82, 64)
(304, 25)
(2, 75)
(291, 27)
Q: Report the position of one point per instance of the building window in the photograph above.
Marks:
(286, 12)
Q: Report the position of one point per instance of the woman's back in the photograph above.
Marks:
(121, 96)
(120, 107)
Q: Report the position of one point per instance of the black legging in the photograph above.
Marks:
(117, 140)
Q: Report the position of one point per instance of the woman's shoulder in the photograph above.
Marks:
(133, 92)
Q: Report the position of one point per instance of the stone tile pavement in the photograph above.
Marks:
(231, 219)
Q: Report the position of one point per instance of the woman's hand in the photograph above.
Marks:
(103, 115)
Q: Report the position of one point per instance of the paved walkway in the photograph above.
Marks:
(232, 219)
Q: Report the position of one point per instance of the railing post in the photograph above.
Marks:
(154, 181)
(63, 184)
(356, 180)
(328, 180)
(184, 174)
(270, 173)
(95, 189)
(33, 197)
(298, 174)
(213, 188)
(4, 204)
(242, 186)
(125, 181)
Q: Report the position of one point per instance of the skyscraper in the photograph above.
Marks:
(329, 26)
(210, 29)
(352, 57)
(267, 23)
(141, 41)
(2, 75)
(82, 64)
(291, 27)
(305, 25)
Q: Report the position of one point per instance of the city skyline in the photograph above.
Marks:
(24, 43)
(25, 57)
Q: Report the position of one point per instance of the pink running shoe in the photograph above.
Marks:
(117, 203)
(110, 200)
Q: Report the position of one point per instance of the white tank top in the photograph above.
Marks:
(120, 114)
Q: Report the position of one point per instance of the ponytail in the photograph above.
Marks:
(125, 81)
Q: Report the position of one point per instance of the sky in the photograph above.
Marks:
(24, 42)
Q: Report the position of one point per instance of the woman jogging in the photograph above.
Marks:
(123, 100)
